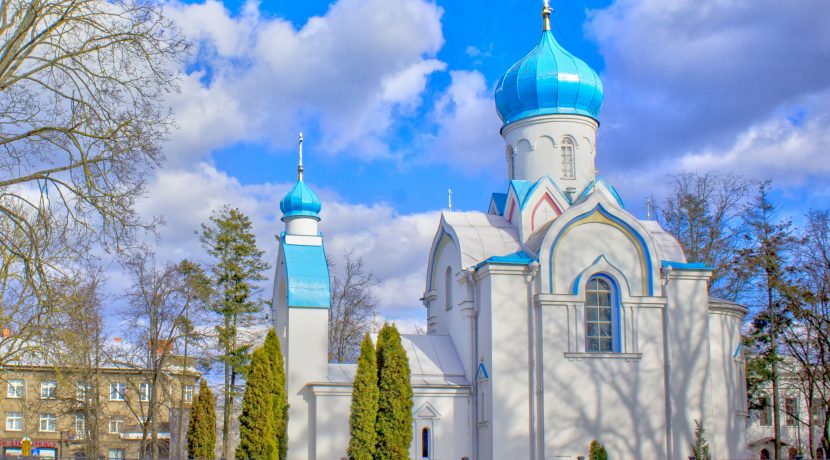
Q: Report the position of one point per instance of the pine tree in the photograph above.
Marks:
(394, 421)
(364, 410)
(257, 437)
(201, 428)
(596, 451)
(700, 448)
(770, 244)
(238, 265)
(280, 409)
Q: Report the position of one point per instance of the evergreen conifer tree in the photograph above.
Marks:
(394, 421)
(257, 437)
(700, 448)
(280, 409)
(597, 451)
(364, 410)
(201, 428)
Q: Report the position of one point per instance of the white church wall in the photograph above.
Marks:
(577, 250)
(332, 405)
(537, 143)
(727, 427)
(508, 362)
(688, 357)
(615, 398)
(444, 411)
(306, 361)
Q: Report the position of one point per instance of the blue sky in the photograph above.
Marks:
(395, 102)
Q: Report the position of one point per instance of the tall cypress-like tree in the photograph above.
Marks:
(364, 410)
(394, 422)
(201, 428)
(257, 437)
(237, 266)
(280, 409)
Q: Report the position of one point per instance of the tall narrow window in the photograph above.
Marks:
(599, 316)
(425, 443)
(448, 288)
(568, 158)
(765, 415)
(791, 409)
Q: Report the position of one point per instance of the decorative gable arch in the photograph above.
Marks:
(617, 236)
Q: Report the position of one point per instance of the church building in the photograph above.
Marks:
(554, 318)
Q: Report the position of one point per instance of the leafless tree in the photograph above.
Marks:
(704, 213)
(165, 301)
(81, 122)
(806, 331)
(353, 306)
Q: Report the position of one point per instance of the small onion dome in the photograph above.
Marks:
(549, 80)
(300, 201)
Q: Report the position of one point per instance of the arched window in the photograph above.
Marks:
(600, 315)
(425, 443)
(448, 288)
(511, 161)
(764, 454)
(568, 158)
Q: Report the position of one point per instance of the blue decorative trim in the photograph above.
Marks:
(517, 258)
(601, 209)
(499, 199)
(520, 189)
(577, 281)
(684, 266)
(590, 187)
(738, 350)
(536, 185)
(482, 371)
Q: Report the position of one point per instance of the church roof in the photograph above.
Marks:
(300, 201)
(481, 236)
(549, 80)
(433, 360)
(307, 275)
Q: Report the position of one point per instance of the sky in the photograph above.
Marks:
(395, 101)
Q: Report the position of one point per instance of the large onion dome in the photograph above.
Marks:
(549, 80)
(300, 201)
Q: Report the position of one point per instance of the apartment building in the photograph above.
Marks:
(99, 412)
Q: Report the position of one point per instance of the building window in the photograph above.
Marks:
(15, 388)
(118, 391)
(115, 454)
(80, 426)
(791, 411)
(116, 424)
(188, 393)
(145, 391)
(14, 421)
(425, 443)
(599, 315)
(48, 423)
(84, 391)
(817, 412)
(48, 389)
(568, 158)
(765, 415)
(448, 288)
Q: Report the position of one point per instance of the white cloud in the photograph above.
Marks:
(713, 86)
(259, 78)
(393, 246)
(468, 126)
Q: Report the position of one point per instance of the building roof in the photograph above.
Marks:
(481, 236)
(432, 361)
(549, 80)
(300, 201)
(307, 275)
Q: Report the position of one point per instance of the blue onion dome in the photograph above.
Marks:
(300, 201)
(549, 80)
